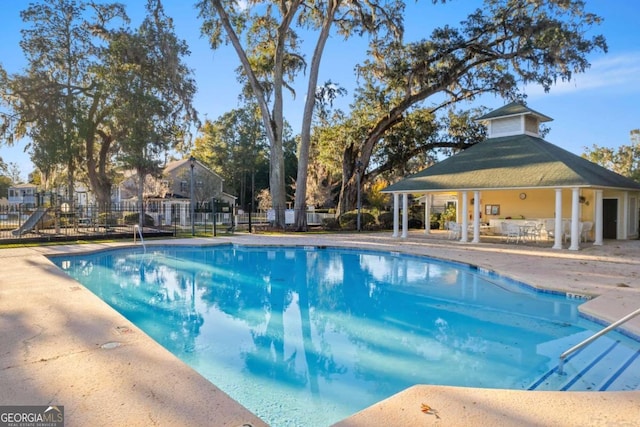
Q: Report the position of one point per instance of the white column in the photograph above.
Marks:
(183, 215)
(557, 234)
(405, 215)
(427, 214)
(598, 219)
(575, 219)
(396, 216)
(464, 233)
(476, 217)
(625, 216)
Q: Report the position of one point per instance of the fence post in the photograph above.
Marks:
(214, 217)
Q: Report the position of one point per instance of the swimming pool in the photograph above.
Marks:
(307, 336)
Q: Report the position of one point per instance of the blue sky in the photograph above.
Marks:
(598, 107)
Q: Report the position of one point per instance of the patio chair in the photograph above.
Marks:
(586, 230)
(454, 230)
(511, 231)
(532, 230)
(566, 230)
(549, 228)
(504, 229)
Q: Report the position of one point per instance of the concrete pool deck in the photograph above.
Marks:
(61, 345)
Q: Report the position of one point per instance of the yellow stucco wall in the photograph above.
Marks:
(540, 204)
(537, 204)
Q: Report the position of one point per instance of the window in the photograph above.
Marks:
(183, 186)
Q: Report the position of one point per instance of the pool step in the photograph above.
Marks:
(600, 366)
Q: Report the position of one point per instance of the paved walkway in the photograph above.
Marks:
(62, 345)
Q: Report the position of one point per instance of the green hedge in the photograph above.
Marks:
(108, 219)
(385, 220)
(330, 224)
(133, 218)
(349, 220)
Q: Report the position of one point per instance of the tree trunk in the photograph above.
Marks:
(300, 206)
(349, 193)
(276, 181)
(349, 187)
(100, 186)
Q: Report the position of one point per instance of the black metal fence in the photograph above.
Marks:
(21, 224)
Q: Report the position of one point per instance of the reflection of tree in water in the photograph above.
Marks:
(250, 288)
(235, 286)
(320, 362)
(144, 289)
(393, 311)
(378, 310)
(297, 279)
(268, 358)
(351, 292)
(261, 303)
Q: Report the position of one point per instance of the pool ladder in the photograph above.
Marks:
(136, 228)
(593, 337)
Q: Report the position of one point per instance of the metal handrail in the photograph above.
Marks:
(137, 228)
(593, 337)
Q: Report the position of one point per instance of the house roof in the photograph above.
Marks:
(520, 161)
(27, 185)
(514, 109)
(176, 164)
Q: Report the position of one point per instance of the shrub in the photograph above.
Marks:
(348, 225)
(435, 221)
(385, 220)
(372, 227)
(330, 224)
(107, 219)
(133, 218)
(415, 223)
(448, 215)
(349, 220)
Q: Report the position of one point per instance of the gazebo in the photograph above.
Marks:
(515, 173)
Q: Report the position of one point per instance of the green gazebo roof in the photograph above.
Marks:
(514, 109)
(520, 161)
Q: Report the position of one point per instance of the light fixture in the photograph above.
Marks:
(523, 196)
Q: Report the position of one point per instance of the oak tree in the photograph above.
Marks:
(496, 49)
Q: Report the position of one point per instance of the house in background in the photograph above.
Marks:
(168, 199)
(23, 196)
(516, 175)
(207, 184)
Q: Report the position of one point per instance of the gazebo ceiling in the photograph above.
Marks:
(519, 161)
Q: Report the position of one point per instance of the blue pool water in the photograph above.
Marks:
(309, 336)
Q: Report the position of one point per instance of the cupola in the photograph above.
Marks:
(513, 119)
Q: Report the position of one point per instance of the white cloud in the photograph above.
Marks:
(614, 73)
